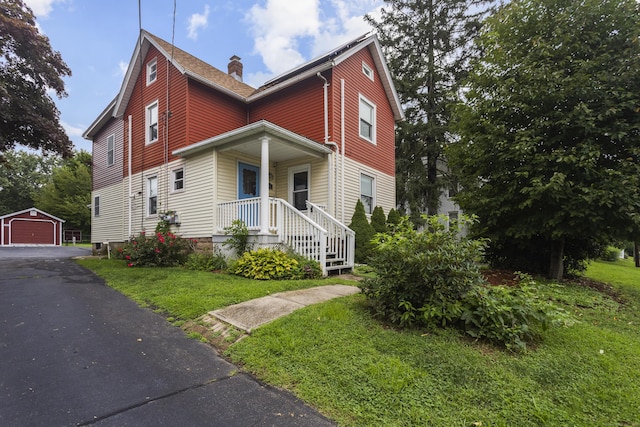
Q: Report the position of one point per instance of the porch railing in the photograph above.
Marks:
(341, 240)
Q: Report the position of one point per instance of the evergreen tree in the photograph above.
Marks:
(364, 233)
(378, 220)
(428, 44)
(393, 219)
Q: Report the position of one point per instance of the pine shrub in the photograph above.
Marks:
(378, 220)
(364, 233)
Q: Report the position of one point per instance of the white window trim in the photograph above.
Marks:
(296, 169)
(147, 114)
(96, 212)
(373, 125)
(367, 71)
(151, 63)
(172, 179)
(148, 196)
(111, 137)
(373, 190)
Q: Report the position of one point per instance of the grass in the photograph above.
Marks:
(359, 372)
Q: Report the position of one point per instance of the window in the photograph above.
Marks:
(299, 187)
(366, 193)
(177, 177)
(96, 206)
(367, 120)
(152, 71)
(152, 195)
(367, 71)
(111, 146)
(152, 123)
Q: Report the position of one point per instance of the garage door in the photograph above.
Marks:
(30, 232)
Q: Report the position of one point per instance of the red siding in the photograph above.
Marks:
(380, 156)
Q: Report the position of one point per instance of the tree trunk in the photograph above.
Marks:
(636, 255)
(556, 266)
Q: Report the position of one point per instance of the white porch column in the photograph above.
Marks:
(264, 186)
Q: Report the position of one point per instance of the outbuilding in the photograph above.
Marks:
(30, 227)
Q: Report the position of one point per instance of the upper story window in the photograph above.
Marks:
(111, 148)
(152, 195)
(152, 71)
(367, 186)
(367, 120)
(177, 178)
(152, 123)
(367, 71)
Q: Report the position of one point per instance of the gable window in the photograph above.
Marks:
(96, 206)
(367, 120)
(177, 178)
(367, 185)
(367, 71)
(152, 195)
(111, 147)
(152, 123)
(299, 187)
(152, 71)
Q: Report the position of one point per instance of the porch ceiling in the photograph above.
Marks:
(283, 144)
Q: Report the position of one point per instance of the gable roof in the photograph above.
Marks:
(186, 63)
(32, 209)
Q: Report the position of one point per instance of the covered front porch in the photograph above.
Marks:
(281, 185)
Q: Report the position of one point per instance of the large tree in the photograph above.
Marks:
(67, 194)
(21, 176)
(428, 44)
(550, 131)
(29, 68)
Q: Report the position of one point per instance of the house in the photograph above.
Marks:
(187, 142)
(30, 227)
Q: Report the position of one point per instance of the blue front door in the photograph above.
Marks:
(249, 187)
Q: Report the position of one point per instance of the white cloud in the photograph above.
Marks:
(288, 33)
(122, 68)
(42, 8)
(72, 131)
(198, 21)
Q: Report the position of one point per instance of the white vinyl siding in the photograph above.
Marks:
(385, 195)
(367, 121)
(108, 227)
(151, 122)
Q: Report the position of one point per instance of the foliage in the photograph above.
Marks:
(161, 249)
(310, 269)
(68, 192)
(378, 220)
(427, 46)
(270, 264)
(239, 237)
(28, 71)
(550, 130)
(205, 261)
(21, 176)
(610, 254)
(393, 218)
(422, 275)
(364, 233)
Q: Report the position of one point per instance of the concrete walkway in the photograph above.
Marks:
(253, 313)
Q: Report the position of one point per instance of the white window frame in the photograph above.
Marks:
(111, 150)
(150, 195)
(174, 180)
(152, 71)
(373, 192)
(362, 100)
(367, 71)
(294, 170)
(149, 122)
(96, 205)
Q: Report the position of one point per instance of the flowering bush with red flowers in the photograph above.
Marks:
(160, 249)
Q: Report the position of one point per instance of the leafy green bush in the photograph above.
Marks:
(239, 240)
(161, 249)
(378, 220)
(393, 218)
(268, 263)
(205, 261)
(610, 254)
(364, 233)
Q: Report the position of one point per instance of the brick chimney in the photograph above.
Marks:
(235, 67)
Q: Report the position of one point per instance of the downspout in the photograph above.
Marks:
(342, 143)
(326, 142)
(130, 183)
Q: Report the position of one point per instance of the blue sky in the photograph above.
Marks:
(96, 39)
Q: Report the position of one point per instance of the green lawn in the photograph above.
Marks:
(359, 372)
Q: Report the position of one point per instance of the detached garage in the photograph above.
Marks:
(30, 227)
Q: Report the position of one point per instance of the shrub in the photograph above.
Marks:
(205, 261)
(393, 218)
(364, 233)
(267, 264)
(610, 254)
(239, 240)
(378, 220)
(161, 249)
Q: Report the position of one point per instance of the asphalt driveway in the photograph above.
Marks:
(75, 352)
